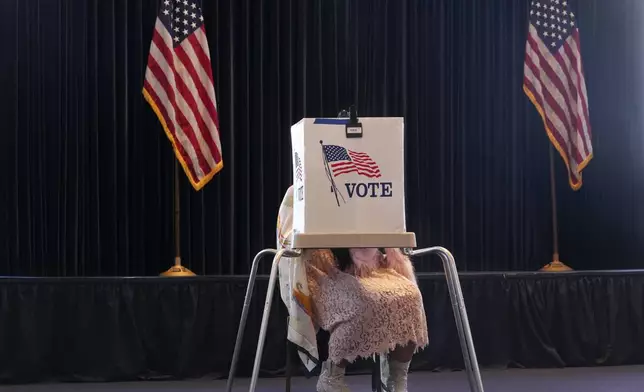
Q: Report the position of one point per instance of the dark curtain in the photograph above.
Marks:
(108, 329)
(87, 172)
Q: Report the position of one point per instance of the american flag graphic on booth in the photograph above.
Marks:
(343, 161)
(298, 168)
(554, 81)
(180, 89)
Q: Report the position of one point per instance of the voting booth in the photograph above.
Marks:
(349, 192)
(349, 189)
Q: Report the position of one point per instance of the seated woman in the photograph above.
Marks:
(367, 299)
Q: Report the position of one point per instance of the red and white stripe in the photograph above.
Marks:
(556, 85)
(179, 82)
(360, 163)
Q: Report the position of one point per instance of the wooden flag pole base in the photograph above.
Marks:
(177, 270)
(555, 265)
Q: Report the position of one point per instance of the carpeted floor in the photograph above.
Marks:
(604, 379)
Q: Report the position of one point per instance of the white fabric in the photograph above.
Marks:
(294, 288)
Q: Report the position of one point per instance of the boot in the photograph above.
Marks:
(331, 378)
(397, 377)
(384, 373)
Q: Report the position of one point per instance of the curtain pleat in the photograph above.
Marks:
(87, 173)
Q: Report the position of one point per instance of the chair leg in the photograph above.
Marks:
(373, 374)
(289, 366)
(376, 376)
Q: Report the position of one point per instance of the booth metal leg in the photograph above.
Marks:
(456, 295)
(267, 309)
(460, 314)
(244, 315)
(267, 312)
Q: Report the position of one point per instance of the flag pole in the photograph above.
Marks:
(334, 188)
(177, 269)
(555, 265)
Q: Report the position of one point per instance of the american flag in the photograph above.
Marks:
(342, 161)
(554, 81)
(179, 87)
(298, 168)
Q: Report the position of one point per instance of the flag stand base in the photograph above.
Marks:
(177, 270)
(555, 266)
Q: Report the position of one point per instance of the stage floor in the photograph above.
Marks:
(597, 379)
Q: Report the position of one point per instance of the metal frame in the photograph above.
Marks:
(460, 313)
(267, 307)
(455, 293)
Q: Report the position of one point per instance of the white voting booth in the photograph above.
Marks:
(349, 192)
